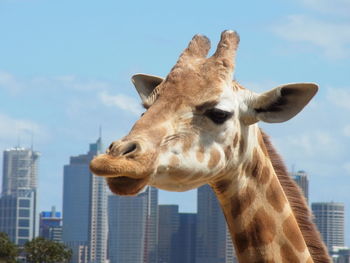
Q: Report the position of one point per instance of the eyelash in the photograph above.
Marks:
(218, 116)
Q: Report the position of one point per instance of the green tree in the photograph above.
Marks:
(40, 250)
(8, 250)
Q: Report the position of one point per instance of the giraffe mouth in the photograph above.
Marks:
(125, 185)
(123, 176)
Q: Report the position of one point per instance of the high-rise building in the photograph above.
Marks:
(168, 228)
(329, 218)
(211, 228)
(151, 242)
(85, 209)
(133, 227)
(19, 193)
(302, 180)
(50, 225)
(186, 238)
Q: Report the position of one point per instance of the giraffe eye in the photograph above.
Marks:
(218, 116)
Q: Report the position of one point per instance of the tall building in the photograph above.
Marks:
(186, 238)
(302, 180)
(18, 199)
(50, 225)
(133, 227)
(85, 209)
(168, 228)
(329, 218)
(211, 233)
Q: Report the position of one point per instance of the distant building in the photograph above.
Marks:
(329, 218)
(211, 240)
(168, 228)
(133, 227)
(50, 225)
(301, 178)
(85, 209)
(18, 199)
(186, 238)
(340, 254)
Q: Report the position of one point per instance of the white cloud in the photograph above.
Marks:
(310, 144)
(337, 7)
(332, 38)
(10, 83)
(16, 85)
(11, 128)
(339, 97)
(121, 101)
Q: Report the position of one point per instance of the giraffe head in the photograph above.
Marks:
(197, 122)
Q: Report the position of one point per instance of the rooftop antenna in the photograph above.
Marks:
(18, 141)
(32, 140)
(100, 131)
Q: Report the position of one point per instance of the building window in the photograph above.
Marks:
(24, 213)
(23, 222)
(24, 203)
(23, 232)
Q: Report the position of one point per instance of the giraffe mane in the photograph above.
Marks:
(299, 206)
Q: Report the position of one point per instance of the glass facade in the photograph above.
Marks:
(85, 209)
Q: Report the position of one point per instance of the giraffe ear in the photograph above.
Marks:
(282, 103)
(145, 84)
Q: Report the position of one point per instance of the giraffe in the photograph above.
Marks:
(200, 127)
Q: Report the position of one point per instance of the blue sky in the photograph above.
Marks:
(65, 69)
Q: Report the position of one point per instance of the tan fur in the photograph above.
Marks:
(299, 206)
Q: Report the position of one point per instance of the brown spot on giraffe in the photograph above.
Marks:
(259, 171)
(214, 158)
(275, 196)
(241, 202)
(241, 242)
(262, 229)
(288, 255)
(200, 154)
(260, 232)
(290, 228)
(222, 186)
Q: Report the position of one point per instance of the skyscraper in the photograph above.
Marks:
(19, 193)
(186, 238)
(50, 225)
(329, 218)
(211, 228)
(133, 227)
(168, 228)
(85, 209)
(302, 180)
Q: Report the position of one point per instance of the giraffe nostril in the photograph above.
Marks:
(129, 149)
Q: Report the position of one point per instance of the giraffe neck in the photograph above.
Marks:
(260, 219)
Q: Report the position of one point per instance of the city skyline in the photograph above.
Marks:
(65, 70)
(150, 232)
